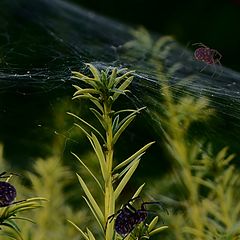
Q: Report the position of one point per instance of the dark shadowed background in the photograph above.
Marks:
(214, 23)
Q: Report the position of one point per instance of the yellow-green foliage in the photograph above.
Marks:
(11, 214)
(204, 187)
(50, 179)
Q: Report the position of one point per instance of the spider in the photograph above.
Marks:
(128, 217)
(207, 55)
(7, 191)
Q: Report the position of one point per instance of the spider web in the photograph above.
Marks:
(42, 41)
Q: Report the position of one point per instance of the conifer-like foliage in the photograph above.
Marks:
(103, 89)
(11, 215)
(203, 185)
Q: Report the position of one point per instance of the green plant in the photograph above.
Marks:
(204, 186)
(52, 179)
(106, 87)
(9, 215)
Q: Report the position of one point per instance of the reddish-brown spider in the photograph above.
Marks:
(207, 55)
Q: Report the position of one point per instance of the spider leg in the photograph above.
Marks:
(215, 68)
(18, 202)
(111, 217)
(2, 174)
(7, 205)
(154, 203)
(218, 53)
(204, 67)
(133, 199)
(200, 45)
(10, 174)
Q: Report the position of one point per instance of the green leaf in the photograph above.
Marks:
(15, 233)
(124, 110)
(122, 87)
(94, 214)
(90, 172)
(99, 117)
(122, 173)
(122, 128)
(85, 91)
(131, 114)
(112, 78)
(89, 81)
(79, 229)
(125, 180)
(125, 75)
(152, 224)
(158, 230)
(99, 152)
(92, 201)
(94, 71)
(24, 218)
(90, 235)
(136, 194)
(134, 156)
(86, 123)
(86, 96)
(83, 130)
(97, 104)
(115, 124)
(77, 87)
(78, 74)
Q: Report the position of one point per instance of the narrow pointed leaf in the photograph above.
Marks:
(97, 104)
(83, 130)
(124, 110)
(122, 173)
(15, 233)
(92, 201)
(125, 180)
(115, 124)
(85, 96)
(112, 78)
(136, 194)
(140, 152)
(78, 74)
(77, 87)
(86, 123)
(11, 224)
(99, 152)
(99, 117)
(11, 234)
(94, 71)
(125, 75)
(94, 214)
(86, 90)
(123, 86)
(90, 172)
(24, 218)
(90, 235)
(79, 229)
(122, 128)
(131, 114)
(152, 224)
(158, 230)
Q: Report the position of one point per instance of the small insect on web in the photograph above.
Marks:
(207, 55)
(128, 217)
(7, 191)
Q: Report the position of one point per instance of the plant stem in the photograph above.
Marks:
(109, 201)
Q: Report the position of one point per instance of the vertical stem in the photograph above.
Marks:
(109, 201)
